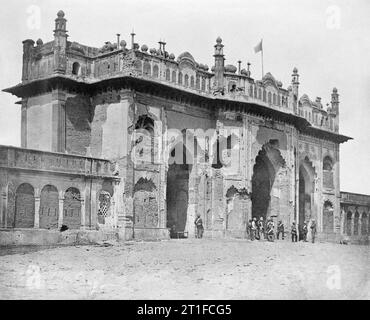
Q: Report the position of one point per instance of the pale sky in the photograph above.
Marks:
(328, 41)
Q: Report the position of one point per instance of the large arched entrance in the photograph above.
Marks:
(306, 190)
(177, 195)
(268, 163)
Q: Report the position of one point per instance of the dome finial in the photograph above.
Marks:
(218, 40)
(60, 14)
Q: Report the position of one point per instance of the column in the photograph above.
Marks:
(3, 208)
(360, 224)
(352, 223)
(24, 124)
(83, 211)
(342, 221)
(37, 212)
(60, 218)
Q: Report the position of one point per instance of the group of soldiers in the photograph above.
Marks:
(261, 229)
(258, 229)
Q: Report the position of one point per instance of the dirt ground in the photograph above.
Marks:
(188, 269)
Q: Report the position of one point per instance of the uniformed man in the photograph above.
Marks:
(304, 231)
(261, 228)
(294, 232)
(313, 230)
(254, 228)
(280, 229)
(249, 229)
(270, 230)
(199, 226)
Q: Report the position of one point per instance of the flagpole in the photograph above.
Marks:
(262, 57)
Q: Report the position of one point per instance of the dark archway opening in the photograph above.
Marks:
(261, 187)
(177, 194)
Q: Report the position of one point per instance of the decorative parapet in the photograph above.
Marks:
(354, 199)
(34, 160)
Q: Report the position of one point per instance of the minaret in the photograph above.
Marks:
(60, 43)
(219, 64)
(335, 108)
(295, 86)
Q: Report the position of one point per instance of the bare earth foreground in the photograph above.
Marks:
(188, 269)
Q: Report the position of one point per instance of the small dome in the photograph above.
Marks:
(245, 72)
(335, 90)
(153, 51)
(39, 42)
(172, 56)
(218, 40)
(159, 52)
(213, 69)
(295, 70)
(206, 68)
(230, 68)
(123, 44)
(279, 84)
(185, 55)
(144, 48)
(201, 66)
(60, 14)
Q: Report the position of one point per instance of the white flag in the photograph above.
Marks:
(258, 47)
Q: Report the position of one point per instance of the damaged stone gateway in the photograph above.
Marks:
(133, 143)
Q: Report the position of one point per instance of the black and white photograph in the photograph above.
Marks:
(185, 150)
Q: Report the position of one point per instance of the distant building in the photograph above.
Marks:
(131, 139)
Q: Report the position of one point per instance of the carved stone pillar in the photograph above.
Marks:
(24, 124)
(58, 121)
(3, 208)
(60, 218)
(83, 211)
(360, 225)
(37, 212)
(352, 223)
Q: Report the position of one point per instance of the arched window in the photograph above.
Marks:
(192, 82)
(328, 217)
(49, 208)
(264, 95)
(364, 222)
(328, 175)
(356, 223)
(327, 164)
(174, 76)
(76, 69)
(147, 68)
(186, 80)
(72, 208)
(203, 84)
(197, 83)
(180, 78)
(274, 98)
(168, 75)
(155, 71)
(138, 66)
(269, 97)
(24, 207)
(260, 93)
(104, 206)
(349, 223)
(144, 139)
(255, 92)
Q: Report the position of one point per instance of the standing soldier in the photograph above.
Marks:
(261, 228)
(270, 230)
(313, 230)
(294, 232)
(199, 225)
(305, 231)
(249, 229)
(254, 228)
(280, 229)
